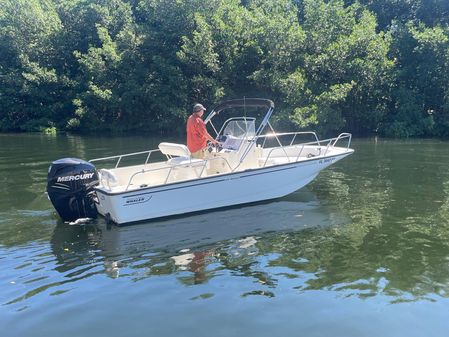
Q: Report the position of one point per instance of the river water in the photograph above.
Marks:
(361, 251)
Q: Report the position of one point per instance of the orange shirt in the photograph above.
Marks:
(196, 133)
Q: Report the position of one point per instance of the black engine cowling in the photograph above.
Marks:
(70, 187)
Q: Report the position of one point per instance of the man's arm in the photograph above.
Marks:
(210, 138)
(206, 134)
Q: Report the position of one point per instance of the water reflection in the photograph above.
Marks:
(297, 241)
(397, 241)
(186, 242)
(196, 263)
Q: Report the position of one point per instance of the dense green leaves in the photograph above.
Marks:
(422, 82)
(139, 65)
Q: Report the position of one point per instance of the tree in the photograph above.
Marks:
(347, 68)
(365, 66)
(422, 82)
(30, 85)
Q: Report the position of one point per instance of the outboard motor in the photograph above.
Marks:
(70, 187)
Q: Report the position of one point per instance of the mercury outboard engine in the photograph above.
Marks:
(70, 187)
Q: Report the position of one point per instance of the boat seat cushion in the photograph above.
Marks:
(185, 161)
(180, 153)
(172, 149)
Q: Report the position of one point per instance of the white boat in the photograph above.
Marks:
(247, 167)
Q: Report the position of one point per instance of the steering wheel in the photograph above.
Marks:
(211, 146)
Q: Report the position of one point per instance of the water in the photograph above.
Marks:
(362, 251)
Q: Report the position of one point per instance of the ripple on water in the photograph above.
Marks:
(26, 281)
(370, 231)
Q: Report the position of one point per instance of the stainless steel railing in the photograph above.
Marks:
(120, 157)
(171, 168)
(322, 145)
(331, 142)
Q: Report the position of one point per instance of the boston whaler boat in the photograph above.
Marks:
(244, 168)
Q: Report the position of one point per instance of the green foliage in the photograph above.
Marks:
(29, 83)
(117, 65)
(347, 66)
(422, 82)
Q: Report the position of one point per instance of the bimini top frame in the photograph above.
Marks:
(242, 103)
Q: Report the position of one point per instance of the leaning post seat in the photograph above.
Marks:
(177, 154)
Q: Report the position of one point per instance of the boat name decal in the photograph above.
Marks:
(137, 200)
(77, 177)
(327, 160)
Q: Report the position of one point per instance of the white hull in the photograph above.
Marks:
(212, 192)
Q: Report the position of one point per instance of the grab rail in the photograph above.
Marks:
(331, 142)
(171, 167)
(336, 139)
(126, 155)
(294, 134)
(276, 136)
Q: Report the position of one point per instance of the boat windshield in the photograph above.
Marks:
(240, 128)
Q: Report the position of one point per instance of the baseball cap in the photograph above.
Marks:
(198, 107)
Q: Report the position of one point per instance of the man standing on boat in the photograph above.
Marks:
(197, 135)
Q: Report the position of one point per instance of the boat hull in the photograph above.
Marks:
(211, 192)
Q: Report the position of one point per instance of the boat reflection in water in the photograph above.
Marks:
(191, 243)
(295, 242)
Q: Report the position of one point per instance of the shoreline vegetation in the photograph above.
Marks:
(124, 66)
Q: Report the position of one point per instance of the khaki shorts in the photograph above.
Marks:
(200, 154)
